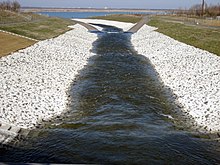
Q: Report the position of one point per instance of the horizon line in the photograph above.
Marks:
(99, 8)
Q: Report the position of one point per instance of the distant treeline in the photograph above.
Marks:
(11, 6)
(202, 10)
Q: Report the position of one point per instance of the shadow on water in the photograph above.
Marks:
(117, 115)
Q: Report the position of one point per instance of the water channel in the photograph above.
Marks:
(117, 116)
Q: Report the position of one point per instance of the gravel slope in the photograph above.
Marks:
(192, 74)
(35, 81)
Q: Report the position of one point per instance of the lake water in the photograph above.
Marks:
(117, 116)
(89, 14)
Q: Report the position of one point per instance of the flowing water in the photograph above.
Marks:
(117, 116)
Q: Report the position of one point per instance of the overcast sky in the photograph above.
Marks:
(144, 4)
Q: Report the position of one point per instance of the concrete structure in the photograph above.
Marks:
(9, 132)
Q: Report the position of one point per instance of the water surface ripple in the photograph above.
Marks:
(116, 116)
